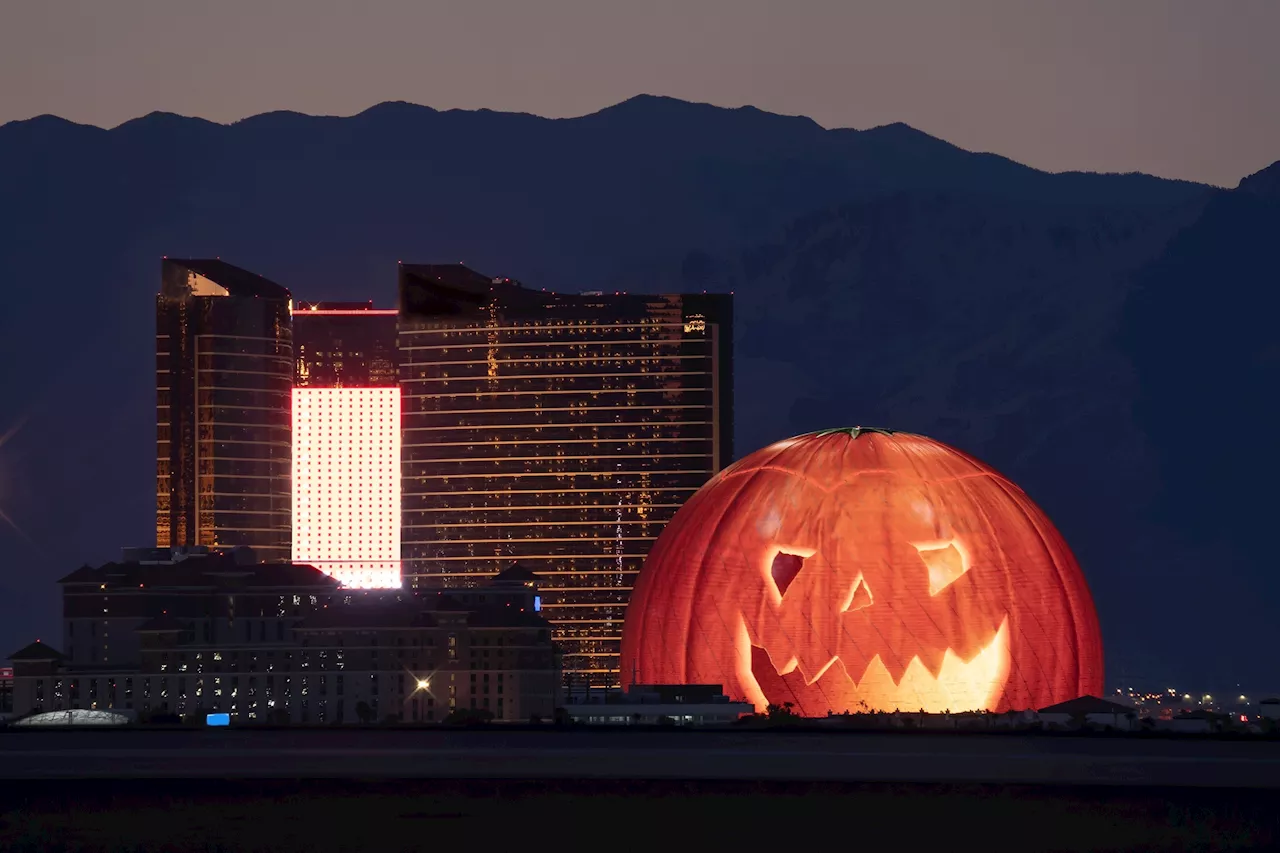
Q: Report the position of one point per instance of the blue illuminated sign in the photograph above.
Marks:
(218, 720)
(537, 603)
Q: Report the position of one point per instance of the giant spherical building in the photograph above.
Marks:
(860, 570)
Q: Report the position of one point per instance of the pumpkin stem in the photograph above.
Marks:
(853, 432)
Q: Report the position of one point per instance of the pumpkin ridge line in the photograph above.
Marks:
(727, 475)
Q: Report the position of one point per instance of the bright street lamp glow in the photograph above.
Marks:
(423, 684)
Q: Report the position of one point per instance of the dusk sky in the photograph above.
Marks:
(1177, 88)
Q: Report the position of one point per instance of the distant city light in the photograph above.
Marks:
(423, 684)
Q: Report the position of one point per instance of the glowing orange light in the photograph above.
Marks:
(865, 570)
(346, 483)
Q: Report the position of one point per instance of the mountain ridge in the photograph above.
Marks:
(642, 106)
(1265, 181)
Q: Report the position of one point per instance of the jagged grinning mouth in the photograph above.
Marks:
(959, 685)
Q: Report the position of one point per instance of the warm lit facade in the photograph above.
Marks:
(866, 570)
(562, 431)
(221, 632)
(346, 443)
(346, 483)
(344, 345)
(224, 374)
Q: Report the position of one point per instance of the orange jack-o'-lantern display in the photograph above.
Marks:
(863, 569)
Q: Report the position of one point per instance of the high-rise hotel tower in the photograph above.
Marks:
(558, 431)
(346, 442)
(224, 374)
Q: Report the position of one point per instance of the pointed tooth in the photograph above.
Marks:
(896, 664)
(965, 648)
(968, 645)
(932, 659)
(855, 654)
(855, 663)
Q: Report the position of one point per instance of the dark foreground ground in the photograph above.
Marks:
(389, 816)
(389, 790)
(942, 758)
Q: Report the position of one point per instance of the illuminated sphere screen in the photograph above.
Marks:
(865, 570)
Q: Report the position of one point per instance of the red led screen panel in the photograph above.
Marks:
(346, 483)
(864, 570)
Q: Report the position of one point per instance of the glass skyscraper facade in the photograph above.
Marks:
(559, 431)
(346, 442)
(344, 345)
(224, 375)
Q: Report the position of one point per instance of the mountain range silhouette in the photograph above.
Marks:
(1104, 340)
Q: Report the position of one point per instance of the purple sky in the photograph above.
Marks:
(1180, 88)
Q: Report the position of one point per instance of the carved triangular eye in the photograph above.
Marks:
(785, 568)
(946, 565)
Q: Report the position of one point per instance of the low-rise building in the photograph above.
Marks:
(1089, 711)
(6, 692)
(215, 632)
(647, 704)
(1198, 721)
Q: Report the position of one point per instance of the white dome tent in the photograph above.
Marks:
(74, 717)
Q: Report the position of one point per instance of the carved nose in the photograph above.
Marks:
(859, 597)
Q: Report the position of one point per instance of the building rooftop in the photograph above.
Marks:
(36, 651)
(1087, 705)
(230, 278)
(516, 574)
(340, 309)
(208, 571)
(453, 276)
(442, 290)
